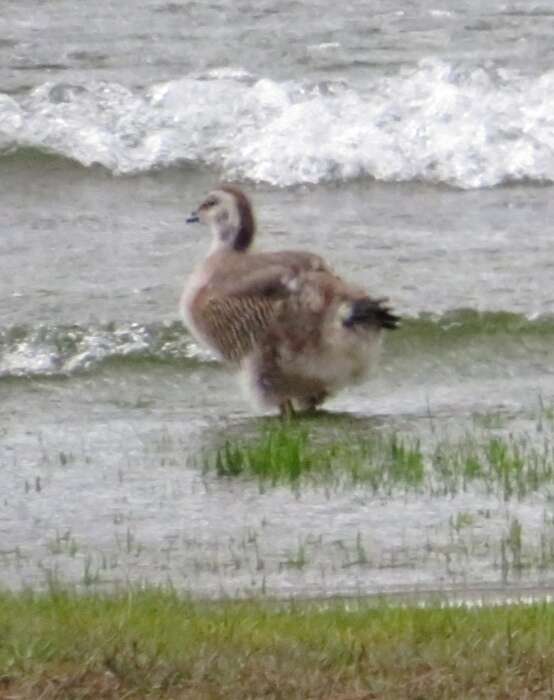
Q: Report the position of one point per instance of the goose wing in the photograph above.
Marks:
(234, 312)
(289, 292)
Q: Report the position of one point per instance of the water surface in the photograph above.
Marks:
(411, 146)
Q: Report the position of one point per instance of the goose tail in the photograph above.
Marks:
(371, 313)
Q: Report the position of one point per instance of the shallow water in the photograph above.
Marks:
(411, 147)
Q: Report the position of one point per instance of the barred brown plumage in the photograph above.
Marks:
(235, 324)
(296, 330)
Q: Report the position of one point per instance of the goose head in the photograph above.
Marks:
(228, 212)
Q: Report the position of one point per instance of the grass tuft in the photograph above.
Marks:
(504, 464)
(278, 454)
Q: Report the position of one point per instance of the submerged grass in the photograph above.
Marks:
(288, 453)
(151, 644)
(506, 464)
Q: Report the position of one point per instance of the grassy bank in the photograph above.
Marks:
(156, 645)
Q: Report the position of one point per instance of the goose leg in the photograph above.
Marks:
(286, 410)
(309, 404)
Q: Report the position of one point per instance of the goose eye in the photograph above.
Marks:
(210, 203)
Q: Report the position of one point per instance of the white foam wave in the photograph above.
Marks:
(436, 123)
(67, 350)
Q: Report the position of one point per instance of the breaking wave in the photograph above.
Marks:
(436, 123)
(64, 350)
(67, 350)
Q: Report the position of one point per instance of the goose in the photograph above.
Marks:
(296, 331)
